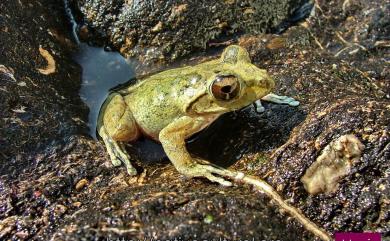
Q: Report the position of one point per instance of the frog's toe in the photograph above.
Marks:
(291, 101)
(115, 161)
(259, 107)
(281, 99)
(207, 171)
(131, 170)
(125, 158)
(219, 180)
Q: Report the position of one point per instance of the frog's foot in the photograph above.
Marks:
(259, 107)
(117, 152)
(280, 99)
(207, 171)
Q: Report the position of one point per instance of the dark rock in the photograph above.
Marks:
(358, 32)
(37, 110)
(360, 197)
(162, 31)
(45, 151)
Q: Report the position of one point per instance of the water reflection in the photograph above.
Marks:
(101, 71)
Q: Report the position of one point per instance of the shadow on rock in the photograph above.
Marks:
(246, 132)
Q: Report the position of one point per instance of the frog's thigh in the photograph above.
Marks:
(118, 125)
(119, 121)
(280, 99)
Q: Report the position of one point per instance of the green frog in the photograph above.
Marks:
(171, 106)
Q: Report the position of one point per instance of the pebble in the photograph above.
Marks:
(81, 184)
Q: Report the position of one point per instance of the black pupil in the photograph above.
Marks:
(226, 89)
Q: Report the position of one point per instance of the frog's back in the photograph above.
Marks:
(154, 102)
(161, 98)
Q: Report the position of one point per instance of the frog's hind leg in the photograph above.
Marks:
(117, 152)
(116, 125)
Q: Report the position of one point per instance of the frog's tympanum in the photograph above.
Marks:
(172, 105)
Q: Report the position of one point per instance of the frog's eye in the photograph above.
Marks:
(225, 87)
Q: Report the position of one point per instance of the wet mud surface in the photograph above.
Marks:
(57, 182)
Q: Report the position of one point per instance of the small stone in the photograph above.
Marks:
(22, 234)
(334, 163)
(77, 204)
(81, 184)
(276, 43)
(60, 209)
(158, 27)
(84, 32)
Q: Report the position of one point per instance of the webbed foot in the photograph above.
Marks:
(117, 152)
(205, 170)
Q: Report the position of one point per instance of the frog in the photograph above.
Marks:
(171, 106)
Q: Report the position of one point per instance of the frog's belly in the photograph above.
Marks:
(150, 122)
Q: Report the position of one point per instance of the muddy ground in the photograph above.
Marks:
(57, 183)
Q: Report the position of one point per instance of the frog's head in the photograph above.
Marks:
(233, 82)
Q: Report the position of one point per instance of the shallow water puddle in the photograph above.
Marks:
(101, 71)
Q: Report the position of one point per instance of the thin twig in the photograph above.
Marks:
(263, 186)
(349, 43)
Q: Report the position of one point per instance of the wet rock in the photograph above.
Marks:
(175, 209)
(359, 203)
(38, 110)
(81, 184)
(162, 31)
(356, 31)
(338, 99)
(45, 151)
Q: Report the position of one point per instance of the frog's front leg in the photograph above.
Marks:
(173, 138)
(277, 99)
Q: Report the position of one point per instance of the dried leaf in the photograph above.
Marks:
(20, 110)
(51, 64)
